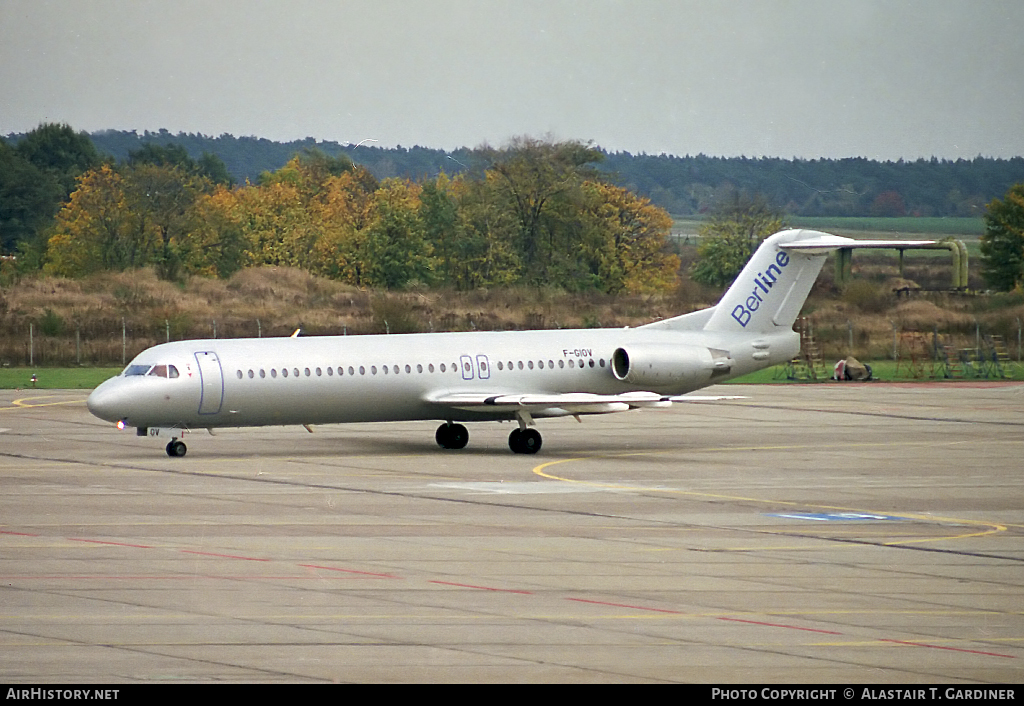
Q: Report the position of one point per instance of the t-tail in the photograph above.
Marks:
(771, 290)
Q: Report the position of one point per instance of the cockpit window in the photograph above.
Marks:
(136, 370)
(164, 371)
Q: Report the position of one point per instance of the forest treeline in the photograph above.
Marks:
(539, 212)
(684, 185)
(567, 214)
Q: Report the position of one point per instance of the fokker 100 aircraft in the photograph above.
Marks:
(516, 376)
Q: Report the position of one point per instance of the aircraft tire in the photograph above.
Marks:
(452, 436)
(524, 441)
(176, 449)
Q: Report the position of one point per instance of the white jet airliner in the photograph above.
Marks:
(514, 376)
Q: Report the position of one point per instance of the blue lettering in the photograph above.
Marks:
(741, 314)
(763, 282)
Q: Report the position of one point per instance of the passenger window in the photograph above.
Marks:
(239, 374)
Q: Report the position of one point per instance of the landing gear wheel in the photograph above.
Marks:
(452, 436)
(524, 441)
(176, 449)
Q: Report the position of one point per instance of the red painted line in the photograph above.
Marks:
(951, 649)
(164, 578)
(624, 605)
(482, 588)
(20, 534)
(111, 544)
(222, 556)
(348, 571)
(780, 625)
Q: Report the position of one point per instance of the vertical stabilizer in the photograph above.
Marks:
(770, 291)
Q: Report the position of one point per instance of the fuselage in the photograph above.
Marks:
(335, 379)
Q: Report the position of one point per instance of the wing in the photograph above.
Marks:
(551, 404)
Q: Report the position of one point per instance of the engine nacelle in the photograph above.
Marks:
(662, 365)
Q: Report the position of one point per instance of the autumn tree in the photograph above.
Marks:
(1002, 243)
(129, 217)
(731, 235)
(631, 252)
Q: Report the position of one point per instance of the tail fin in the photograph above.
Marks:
(770, 291)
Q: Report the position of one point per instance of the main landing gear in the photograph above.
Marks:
(456, 436)
(524, 441)
(176, 449)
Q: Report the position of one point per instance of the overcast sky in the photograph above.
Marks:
(882, 79)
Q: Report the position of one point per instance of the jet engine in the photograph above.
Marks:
(665, 365)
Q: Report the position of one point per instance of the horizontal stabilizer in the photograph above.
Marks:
(826, 243)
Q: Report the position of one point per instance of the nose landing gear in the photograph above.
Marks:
(452, 436)
(176, 449)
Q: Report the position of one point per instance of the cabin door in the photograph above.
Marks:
(211, 380)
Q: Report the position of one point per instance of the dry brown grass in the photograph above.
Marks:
(81, 320)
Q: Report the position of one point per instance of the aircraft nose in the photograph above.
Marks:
(107, 402)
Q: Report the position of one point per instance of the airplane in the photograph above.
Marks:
(515, 376)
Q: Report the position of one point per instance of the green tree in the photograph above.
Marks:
(541, 183)
(731, 235)
(1002, 243)
(60, 151)
(397, 251)
(29, 196)
(209, 166)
